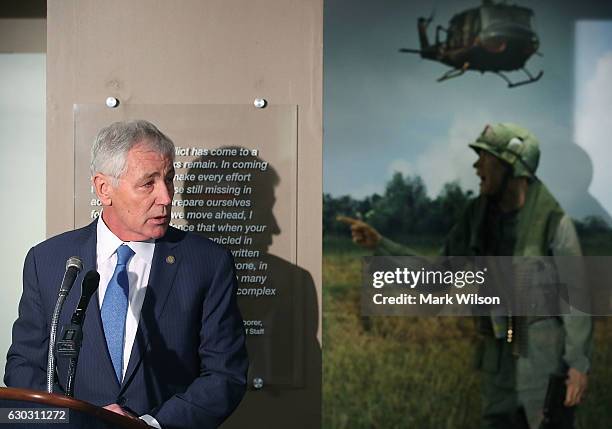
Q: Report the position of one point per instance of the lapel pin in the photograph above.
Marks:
(170, 259)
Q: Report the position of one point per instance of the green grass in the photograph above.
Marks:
(414, 372)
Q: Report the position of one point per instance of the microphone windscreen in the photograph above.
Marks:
(75, 262)
(90, 283)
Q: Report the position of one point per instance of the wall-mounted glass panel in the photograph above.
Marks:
(235, 183)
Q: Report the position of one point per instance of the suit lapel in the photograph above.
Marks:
(94, 350)
(161, 279)
(92, 328)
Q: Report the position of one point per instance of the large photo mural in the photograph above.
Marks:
(419, 97)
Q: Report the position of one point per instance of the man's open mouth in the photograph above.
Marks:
(159, 219)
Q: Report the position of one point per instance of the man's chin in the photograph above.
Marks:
(158, 231)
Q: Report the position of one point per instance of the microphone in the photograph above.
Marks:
(73, 266)
(72, 333)
(88, 286)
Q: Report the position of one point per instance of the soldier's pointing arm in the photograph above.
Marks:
(362, 233)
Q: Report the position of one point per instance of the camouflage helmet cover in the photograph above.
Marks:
(512, 144)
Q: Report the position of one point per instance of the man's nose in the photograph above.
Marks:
(165, 194)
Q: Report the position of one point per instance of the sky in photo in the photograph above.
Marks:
(385, 112)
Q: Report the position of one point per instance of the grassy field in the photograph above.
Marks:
(414, 372)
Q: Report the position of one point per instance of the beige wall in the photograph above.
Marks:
(23, 35)
(186, 52)
(189, 52)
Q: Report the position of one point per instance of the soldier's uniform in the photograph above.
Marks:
(515, 378)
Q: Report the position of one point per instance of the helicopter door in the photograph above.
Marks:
(502, 24)
(463, 29)
(471, 28)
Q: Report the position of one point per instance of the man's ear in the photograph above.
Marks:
(104, 188)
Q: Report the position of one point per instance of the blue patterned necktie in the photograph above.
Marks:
(114, 309)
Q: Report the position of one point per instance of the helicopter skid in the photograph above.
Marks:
(530, 79)
(454, 73)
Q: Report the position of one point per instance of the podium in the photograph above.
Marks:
(79, 414)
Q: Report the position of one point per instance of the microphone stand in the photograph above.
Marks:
(72, 339)
(51, 356)
(70, 346)
(73, 266)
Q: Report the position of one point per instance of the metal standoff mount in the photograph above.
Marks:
(112, 102)
(258, 383)
(260, 103)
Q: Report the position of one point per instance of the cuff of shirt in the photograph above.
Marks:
(150, 420)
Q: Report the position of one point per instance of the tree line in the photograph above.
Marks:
(404, 209)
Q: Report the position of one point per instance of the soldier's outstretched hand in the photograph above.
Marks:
(363, 234)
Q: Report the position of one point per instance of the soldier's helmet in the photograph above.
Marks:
(512, 144)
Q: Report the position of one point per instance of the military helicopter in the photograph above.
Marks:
(495, 37)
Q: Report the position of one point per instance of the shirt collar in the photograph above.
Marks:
(108, 242)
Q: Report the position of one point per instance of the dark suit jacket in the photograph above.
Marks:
(188, 362)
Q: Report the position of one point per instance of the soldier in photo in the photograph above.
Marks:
(515, 215)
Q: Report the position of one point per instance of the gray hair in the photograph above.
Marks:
(112, 144)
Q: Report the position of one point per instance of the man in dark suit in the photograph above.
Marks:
(163, 338)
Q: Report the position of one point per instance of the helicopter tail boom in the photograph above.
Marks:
(427, 50)
(410, 51)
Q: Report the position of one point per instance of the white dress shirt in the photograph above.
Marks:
(138, 269)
